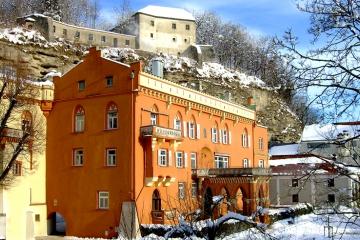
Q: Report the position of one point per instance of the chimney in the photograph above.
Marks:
(251, 103)
(157, 67)
(94, 52)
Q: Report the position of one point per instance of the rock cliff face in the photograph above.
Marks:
(42, 58)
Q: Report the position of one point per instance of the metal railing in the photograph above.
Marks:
(228, 172)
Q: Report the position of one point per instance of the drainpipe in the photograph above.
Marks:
(132, 131)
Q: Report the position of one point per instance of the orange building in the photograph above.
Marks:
(123, 144)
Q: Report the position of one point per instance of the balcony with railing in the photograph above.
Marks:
(231, 172)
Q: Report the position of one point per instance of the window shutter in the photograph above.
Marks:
(185, 130)
(220, 136)
(212, 134)
(159, 158)
(185, 160)
(198, 131)
(188, 125)
(229, 137)
(174, 123)
(169, 158)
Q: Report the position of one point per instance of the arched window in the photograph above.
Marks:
(261, 163)
(214, 133)
(177, 122)
(154, 115)
(261, 143)
(156, 201)
(79, 119)
(26, 121)
(245, 138)
(246, 163)
(112, 116)
(225, 135)
(191, 128)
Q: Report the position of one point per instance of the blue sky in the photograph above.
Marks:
(260, 17)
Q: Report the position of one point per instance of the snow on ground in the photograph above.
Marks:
(306, 227)
(119, 54)
(210, 70)
(21, 36)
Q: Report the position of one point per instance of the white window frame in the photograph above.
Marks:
(153, 118)
(261, 143)
(78, 157)
(163, 157)
(246, 163)
(261, 163)
(112, 117)
(192, 130)
(103, 200)
(193, 157)
(111, 157)
(245, 139)
(225, 136)
(179, 158)
(181, 190)
(214, 135)
(79, 121)
(221, 161)
(177, 123)
(194, 189)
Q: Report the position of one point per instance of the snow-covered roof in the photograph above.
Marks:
(287, 149)
(167, 12)
(317, 132)
(295, 160)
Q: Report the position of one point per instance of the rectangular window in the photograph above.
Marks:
(318, 145)
(127, 42)
(17, 168)
(261, 164)
(64, 32)
(151, 35)
(179, 159)
(187, 27)
(193, 160)
(181, 190)
(77, 34)
(162, 157)
(214, 135)
(295, 198)
(221, 161)
(91, 37)
(246, 163)
(295, 182)
(193, 189)
(174, 39)
(81, 85)
(115, 42)
(103, 39)
(152, 23)
(103, 200)
(54, 28)
(331, 198)
(331, 182)
(78, 157)
(173, 26)
(191, 130)
(111, 157)
(112, 119)
(109, 81)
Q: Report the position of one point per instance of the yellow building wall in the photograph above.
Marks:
(23, 202)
